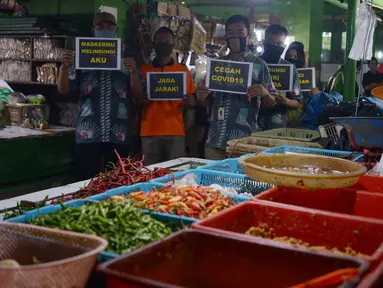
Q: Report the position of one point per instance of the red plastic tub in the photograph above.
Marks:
(371, 183)
(374, 279)
(345, 200)
(196, 259)
(318, 228)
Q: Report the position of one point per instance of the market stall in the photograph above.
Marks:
(285, 213)
(166, 202)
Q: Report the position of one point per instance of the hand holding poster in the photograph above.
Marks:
(166, 85)
(228, 76)
(282, 76)
(306, 78)
(98, 53)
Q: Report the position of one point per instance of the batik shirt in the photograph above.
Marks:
(277, 117)
(232, 115)
(105, 105)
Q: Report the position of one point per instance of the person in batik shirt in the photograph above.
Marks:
(235, 116)
(274, 46)
(106, 109)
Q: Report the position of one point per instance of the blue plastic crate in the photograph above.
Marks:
(331, 153)
(173, 222)
(226, 166)
(33, 214)
(147, 187)
(241, 183)
(124, 190)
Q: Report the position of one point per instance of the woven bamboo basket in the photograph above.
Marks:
(252, 144)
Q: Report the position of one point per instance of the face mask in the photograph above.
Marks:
(272, 53)
(373, 67)
(237, 44)
(105, 33)
(296, 62)
(163, 49)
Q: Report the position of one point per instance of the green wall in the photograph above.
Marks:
(296, 18)
(60, 7)
(71, 8)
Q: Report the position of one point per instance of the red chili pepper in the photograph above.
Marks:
(126, 172)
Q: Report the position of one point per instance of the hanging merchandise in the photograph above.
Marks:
(198, 38)
(200, 71)
(365, 29)
(219, 34)
(189, 34)
(209, 28)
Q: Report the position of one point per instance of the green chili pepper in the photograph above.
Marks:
(125, 227)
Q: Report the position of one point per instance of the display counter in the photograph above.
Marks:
(32, 160)
(12, 202)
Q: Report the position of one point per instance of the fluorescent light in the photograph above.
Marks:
(258, 34)
(259, 49)
(380, 54)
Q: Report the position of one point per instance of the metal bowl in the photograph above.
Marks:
(277, 169)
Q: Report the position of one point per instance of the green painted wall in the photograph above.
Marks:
(71, 8)
(296, 17)
(60, 7)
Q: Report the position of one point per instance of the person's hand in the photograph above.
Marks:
(314, 91)
(282, 98)
(256, 90)
(67, 58)
(130, 64)
(188, 101)
(144, 99)
(202, 92)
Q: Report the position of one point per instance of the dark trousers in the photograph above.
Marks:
(93, 158)
(159, 149)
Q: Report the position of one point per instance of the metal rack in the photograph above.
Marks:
(58, 42)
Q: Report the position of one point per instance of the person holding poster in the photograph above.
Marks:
(233, 115)
(296, 55)
(106, 105)
(170, 88)
(274, 45)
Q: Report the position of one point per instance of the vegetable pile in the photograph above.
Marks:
(126, 172)
(123, 226)
(190, 201)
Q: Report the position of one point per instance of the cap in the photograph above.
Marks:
(103, 17)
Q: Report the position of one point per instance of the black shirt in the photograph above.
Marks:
(370, 78)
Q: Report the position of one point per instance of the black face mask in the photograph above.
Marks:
(272, 53)
(296, 62)
(237, 44)
(163, 49)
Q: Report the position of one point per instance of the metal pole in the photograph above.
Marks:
(350, 65)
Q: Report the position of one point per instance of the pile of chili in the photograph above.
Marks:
(191, 201)
(126, 172)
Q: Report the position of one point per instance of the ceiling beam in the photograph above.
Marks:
(229, 4)
(337, 4)
(375, 3)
